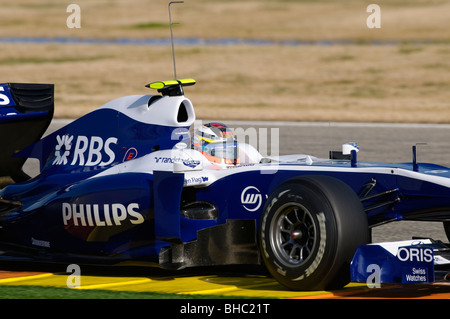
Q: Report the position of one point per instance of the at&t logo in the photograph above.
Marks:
(86, 152)
(251, 198)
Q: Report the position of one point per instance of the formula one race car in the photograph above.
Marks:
(131, 182)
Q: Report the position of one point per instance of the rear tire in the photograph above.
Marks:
(309, 230)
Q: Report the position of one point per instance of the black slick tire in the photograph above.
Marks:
(309, 230)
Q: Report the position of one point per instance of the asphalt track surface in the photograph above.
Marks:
(378, 142)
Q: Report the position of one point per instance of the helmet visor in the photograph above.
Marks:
(227, 151)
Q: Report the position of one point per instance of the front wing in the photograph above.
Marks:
(403, 262)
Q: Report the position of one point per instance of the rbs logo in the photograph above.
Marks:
(86, 152)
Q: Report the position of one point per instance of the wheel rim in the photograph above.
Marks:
(293, 234)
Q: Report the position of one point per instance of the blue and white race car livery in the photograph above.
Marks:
(131, 181)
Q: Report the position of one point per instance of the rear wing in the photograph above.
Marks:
(26, 110)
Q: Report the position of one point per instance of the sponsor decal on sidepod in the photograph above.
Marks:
(91, 214)
(251, 198)
(87, 151)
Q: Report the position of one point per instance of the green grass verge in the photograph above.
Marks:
(39, 292)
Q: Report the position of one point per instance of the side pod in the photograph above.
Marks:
(232, 242)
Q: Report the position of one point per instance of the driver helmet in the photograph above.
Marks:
(217, 143)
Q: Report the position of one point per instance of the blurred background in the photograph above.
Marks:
(288, 60)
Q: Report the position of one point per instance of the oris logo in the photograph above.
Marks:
(86, 151)
(251, 198)
(414, 254)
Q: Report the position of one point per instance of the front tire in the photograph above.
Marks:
(309, 230)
